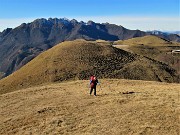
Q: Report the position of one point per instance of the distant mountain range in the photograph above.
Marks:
(157, 32)
(20, 45)
(175, 32)
(171, 36)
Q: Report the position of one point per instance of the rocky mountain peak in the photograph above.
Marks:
(42, 34)
(5, 32)
(91, 23)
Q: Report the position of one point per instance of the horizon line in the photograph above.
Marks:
(142, 23)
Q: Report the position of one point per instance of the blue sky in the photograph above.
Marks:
(132, 14)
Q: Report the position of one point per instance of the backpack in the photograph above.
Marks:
(92, 78)
(92, 81)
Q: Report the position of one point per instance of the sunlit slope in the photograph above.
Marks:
(153, 47)
(146, 40)
(74, 60)
(121, 107)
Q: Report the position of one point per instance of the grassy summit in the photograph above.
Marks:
(77, 60)
(146, 40)
(153, 47)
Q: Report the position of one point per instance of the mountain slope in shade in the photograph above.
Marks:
(74, 60)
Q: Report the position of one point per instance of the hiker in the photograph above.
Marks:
(93, 83)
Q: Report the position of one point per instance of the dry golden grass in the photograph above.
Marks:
(153, 47)
(77, 60)
(62, 61)
(146, 40)
(122, 107)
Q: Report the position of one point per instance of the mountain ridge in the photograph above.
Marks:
(77, 60)
(20, 45)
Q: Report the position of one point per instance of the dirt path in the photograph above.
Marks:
(122, 107)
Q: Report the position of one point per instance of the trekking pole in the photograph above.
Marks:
(89, 86)
(100, 86)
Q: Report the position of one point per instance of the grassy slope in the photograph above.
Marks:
(67, 108)
(75, 60)
(69, 60)
(146, 40)
(155, 48)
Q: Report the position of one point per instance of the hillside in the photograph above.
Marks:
(153, 47)
(77, 60)
(146, 40)
(121, 107)
(20, 45)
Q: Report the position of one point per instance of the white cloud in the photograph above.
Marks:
(142, 23)
(130, 22)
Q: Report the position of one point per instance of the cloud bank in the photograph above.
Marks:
(129, 22)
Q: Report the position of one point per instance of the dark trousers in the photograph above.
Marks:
(92, 90)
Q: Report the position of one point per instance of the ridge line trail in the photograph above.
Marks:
(67, 108)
